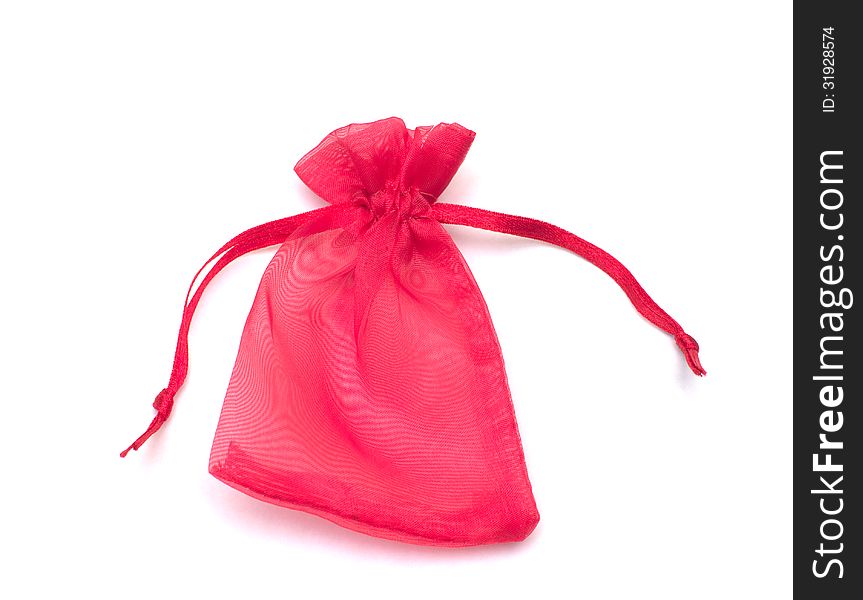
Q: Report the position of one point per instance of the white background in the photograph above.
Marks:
(135, 138)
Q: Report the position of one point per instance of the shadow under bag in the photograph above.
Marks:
(369, 387)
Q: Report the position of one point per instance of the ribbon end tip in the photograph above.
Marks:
(689, 347)
(695, 363)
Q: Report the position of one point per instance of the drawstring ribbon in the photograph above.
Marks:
(340, 215)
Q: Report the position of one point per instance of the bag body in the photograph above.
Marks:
(377, 399)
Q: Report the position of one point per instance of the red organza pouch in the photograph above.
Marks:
(369, 387)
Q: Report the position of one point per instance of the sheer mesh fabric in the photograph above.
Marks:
(369, 386)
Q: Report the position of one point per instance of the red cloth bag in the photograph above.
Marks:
(369, 387)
